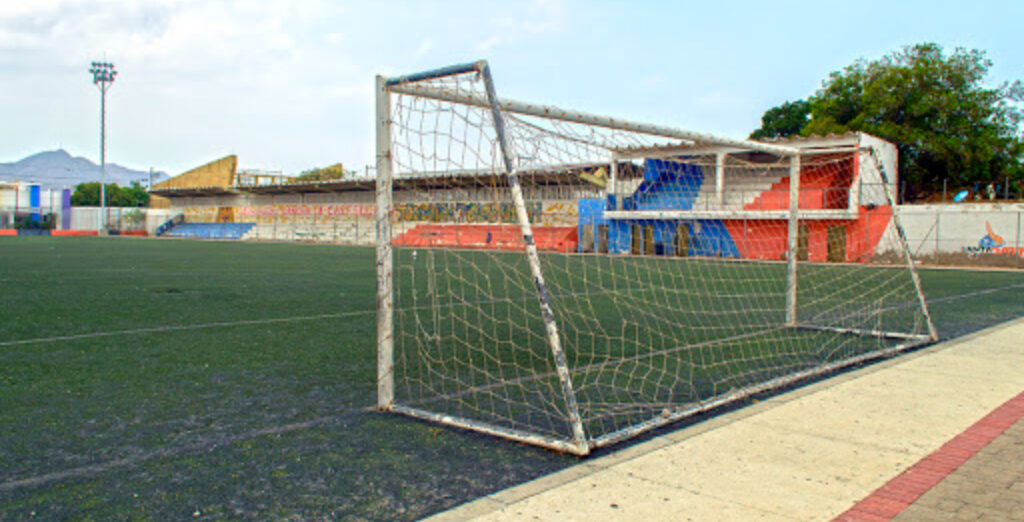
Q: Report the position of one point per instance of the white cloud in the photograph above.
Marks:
(290, 82)
(490, 43)
(718, 99)
(236, 72)
(424, 48)
(537, 19)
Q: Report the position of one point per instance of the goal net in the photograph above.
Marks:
(572, 280)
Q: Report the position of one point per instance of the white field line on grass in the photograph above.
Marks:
(168, 451)
(932, 301)
(356, 313)
(578, 370)
(297, 318)
(173, 328)
(987, 291)
(209, 444)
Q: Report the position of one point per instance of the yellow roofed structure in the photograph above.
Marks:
(218, 173)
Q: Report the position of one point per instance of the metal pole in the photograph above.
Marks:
(720, 179)
(103, 75)
(933, 334)
(1020, 255)
(794, 229)
(385, 311)
(613, 177)
(579, 438)
(432, 74)
(103, 159)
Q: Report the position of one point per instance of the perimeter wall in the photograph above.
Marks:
(965, 233)
(348, 217)
(988, 234)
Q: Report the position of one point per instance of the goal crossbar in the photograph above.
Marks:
(403, 85)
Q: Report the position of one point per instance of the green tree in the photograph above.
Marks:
(783, 121)
(937, 110)
(88, 195)
(134, 195)
(334, 172)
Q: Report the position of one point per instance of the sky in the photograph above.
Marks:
(287, 85)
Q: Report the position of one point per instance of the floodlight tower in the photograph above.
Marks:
(103, 75)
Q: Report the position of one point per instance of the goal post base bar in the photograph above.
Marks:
(737, 395)
(563, 446)
(866, 333)
(566, 446)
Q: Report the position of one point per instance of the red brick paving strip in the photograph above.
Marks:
(899, 493)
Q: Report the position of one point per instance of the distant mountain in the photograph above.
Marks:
(57, 168)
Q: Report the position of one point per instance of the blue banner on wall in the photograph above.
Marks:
(33, 201)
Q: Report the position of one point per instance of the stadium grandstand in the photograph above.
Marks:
(731, 209)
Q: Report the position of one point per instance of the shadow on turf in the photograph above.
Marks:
(776, 392)
(406, 469)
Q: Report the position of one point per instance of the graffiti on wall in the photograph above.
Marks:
(560, 214)
(464, 212)
(993, 243)
(287, 213)
(200, 214)
(284, 213)
(549, 213)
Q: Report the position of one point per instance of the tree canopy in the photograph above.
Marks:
(783, 121)
(934, 106)
(88, 195)
(336, 171)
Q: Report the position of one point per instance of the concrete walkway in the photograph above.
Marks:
(835, 448)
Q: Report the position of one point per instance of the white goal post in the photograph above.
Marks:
(571, 280)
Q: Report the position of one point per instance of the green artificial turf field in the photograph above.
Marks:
(644, 337)
(163, 379)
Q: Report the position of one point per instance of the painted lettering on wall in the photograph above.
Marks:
(464, 212)
(549, 213)
(560, 214)
(284, 213)
(993, 243)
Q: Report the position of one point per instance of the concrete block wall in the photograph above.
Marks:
(356, 231)
(964, 228)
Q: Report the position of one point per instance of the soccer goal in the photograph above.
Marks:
(571, 280)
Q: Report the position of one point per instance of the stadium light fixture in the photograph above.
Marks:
(103, 74)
